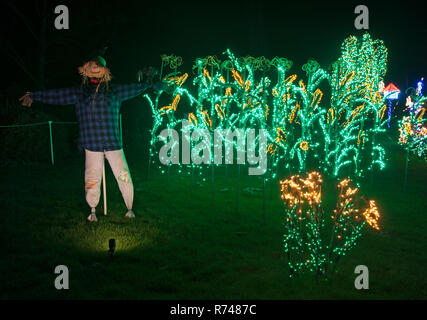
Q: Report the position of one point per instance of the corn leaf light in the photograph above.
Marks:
(357, 108)
(337, 133)
(309, 244)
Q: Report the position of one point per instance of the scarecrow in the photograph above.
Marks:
(97, 105)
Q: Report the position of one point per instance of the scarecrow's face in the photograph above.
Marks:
(92, 69)
(95, 70)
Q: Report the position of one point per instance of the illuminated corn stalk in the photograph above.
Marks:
(308, 114)
(356, 112)
(159, 113)
(308, 243)
(304, 129)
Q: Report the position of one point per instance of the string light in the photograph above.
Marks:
(339, 135)
(308, 243)
(412, 129)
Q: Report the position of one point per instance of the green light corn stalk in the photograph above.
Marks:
(311, 243)
(174, 62)
(301, 127)
(281, 106)
(354, 118)
(308, 114)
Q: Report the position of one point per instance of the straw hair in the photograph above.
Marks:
(86, 73)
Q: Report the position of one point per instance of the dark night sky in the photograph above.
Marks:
(137, 32)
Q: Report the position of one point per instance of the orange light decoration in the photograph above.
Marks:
(178, 80)
(285, 97)
(247, 85)
(290, 79)
(294, 111)
(219, 111)
(206, 118)
(247, 103)
(175, 102)
(304, 145)
(307, 242)
(182, 79)
(237, 77)
(331, 112)
(360, 137)
(347, 79)
(405, 130)
(302, 85)
(281, 134)
(271, 149)
(372, 215)
(421, 115)
(192, 119)
(381, 112)
(296, 190)
(171, 107)
(281, 137)
(317, 97)
(206, 74)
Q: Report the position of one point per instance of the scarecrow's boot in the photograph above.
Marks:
(92, 216)
(130, 214)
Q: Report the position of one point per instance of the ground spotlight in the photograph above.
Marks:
(112, 246)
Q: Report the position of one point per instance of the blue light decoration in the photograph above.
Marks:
(391, 92)
(420, 86)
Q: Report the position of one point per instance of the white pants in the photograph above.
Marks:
(93, 175)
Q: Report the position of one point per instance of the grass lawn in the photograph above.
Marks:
(181, 246)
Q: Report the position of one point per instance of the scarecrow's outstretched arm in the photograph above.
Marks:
(56, 96)
(128, 91)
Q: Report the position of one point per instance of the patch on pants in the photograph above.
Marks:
(124, 176)
(90, 184)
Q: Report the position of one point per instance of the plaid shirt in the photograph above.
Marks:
(98, 115)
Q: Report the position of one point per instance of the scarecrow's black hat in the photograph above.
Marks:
(98, 56)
